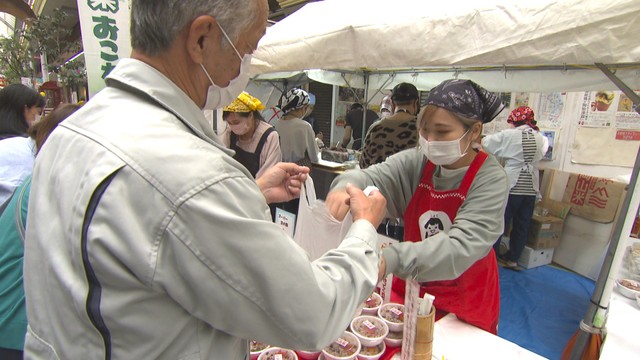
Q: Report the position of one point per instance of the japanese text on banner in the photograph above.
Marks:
(105, 29)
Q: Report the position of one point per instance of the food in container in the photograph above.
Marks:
(346, 347)
(372, 352)
(276, 353)
(628, 287)
(256, 348)
(370, 330)
(393, 315)
(393, 339)
(372, 304)
(633, 258)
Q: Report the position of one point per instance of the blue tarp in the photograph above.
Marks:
(541, 308)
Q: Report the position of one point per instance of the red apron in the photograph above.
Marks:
(475, 295)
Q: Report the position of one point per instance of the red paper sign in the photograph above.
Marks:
(628, 135)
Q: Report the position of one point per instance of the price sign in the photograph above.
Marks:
(412, 294)
(286, 221)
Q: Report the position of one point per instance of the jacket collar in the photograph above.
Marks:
(138, 77)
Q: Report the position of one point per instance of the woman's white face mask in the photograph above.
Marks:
(241, 128)
(443, 152)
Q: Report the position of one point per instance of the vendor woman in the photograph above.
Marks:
(255, 142)
(452, 198)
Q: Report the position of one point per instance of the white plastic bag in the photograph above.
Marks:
(316, 230)
(384, 286)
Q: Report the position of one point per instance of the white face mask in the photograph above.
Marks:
(443, 152)
(217, 96)
(240, 128)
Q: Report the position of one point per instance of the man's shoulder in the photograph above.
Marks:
(389, 125)
(149, 137)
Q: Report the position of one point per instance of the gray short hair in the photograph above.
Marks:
(156, 23)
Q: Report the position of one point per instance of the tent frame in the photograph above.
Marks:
(594, 321)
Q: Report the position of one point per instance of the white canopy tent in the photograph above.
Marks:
(505, 45)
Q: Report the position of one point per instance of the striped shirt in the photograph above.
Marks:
(524, 185)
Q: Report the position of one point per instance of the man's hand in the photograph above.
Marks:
(282, 182)
(339, 202)
(372, 208)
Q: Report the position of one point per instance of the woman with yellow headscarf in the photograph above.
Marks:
(256, 143)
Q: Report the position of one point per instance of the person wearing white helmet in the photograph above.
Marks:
(297, 139)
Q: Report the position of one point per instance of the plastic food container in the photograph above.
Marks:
(372, 352)
(629, 288)
(273, 352)
(370, 330)
(372, 304)
(308, 355)
(256, 348)
(394, 339)
(393, 315)
(346, 347)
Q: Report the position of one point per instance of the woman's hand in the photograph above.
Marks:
(337, 203)
(282, 182)
(371, 208)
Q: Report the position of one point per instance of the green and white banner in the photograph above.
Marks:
(105, 37)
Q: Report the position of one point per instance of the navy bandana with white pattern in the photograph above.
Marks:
(467, 99)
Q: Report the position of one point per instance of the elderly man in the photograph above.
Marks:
(146, 240)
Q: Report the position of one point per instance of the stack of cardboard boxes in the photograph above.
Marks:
(544, 233)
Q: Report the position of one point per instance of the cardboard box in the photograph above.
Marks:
(554, 208)
(544, 232)
(532, 258)
(546, 207)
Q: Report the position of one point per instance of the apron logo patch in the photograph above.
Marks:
(433, 222)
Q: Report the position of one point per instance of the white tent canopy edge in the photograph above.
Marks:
(504, 79)
(506, 45)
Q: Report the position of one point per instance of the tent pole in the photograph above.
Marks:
(621, 85)
(355, 94)
(594, 317)
(366, 108)
(379, 90)
(275, 86)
